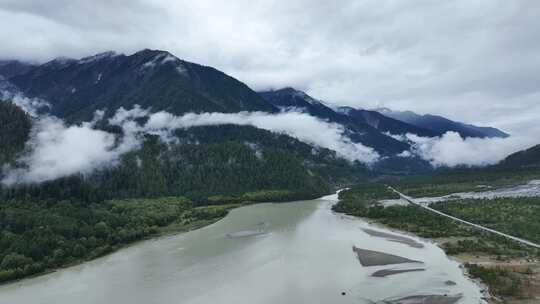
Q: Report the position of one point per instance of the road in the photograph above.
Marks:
(411, 200)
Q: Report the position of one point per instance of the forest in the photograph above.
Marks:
(161, 187)
(208, 161)
(515, 216)
(15, 127)
(39, 236)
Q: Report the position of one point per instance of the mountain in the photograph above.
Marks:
(15, 127)
(442, 125)
(290, 98)
(151, 78)
(529, 158)
(204, 161)
(201, 163)
(357, 129)
(386, 124)
(10, 68)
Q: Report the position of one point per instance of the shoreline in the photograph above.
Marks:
(501, 276)
(482, 287)
(462, 259)
(166, 231)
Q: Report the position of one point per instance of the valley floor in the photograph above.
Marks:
(38, 237)
(105, 237)
(511, 271)
(526, 269)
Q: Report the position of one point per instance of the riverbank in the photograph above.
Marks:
(511, 271)
(462, 259)
(305, 243)
(199, 218)
(39, 238)
(169, 230)
(491, 270)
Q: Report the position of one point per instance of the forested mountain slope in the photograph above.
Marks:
(529, 158)
(77, 88)
(357, 129)
(15, 127)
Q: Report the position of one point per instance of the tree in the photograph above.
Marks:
(101, 229)
(15, 260)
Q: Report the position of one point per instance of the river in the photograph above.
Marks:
(299, 252)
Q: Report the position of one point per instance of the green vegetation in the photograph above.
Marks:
(501, 281)
(363, 201)
(358, 199)
(80, 217)
(225, 160)
(14, 131)
(462, 180)
(529, 159)
(36, 237)
(515, 216)
(259, 196)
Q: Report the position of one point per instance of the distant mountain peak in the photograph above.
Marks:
(346, 110)
(151, 78)
(382, 109)
(294, 93)
(60, 62)
(151, 52)
(97, 57)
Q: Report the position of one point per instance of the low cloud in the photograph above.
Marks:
(57, 150)
(32, 106)
(301, 126)
(452, 150)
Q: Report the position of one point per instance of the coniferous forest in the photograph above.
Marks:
(159, 187)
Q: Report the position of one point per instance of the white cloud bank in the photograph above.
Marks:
(452, 150)
(302, 126)
(57, 150)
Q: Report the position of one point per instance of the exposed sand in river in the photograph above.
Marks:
(425, 299)
(376, 258)
(388, 272)
(394, 238)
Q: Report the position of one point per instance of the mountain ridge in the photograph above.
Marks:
(442, 124)
(159, 81)
(528, 158)
(150, 78)
(359, 131)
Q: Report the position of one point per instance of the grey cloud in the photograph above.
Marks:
(439, 57)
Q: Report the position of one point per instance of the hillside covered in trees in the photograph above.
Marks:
(158, 187)
(15, 127)
(36, 236)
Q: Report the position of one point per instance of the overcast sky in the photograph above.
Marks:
(472, 60)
